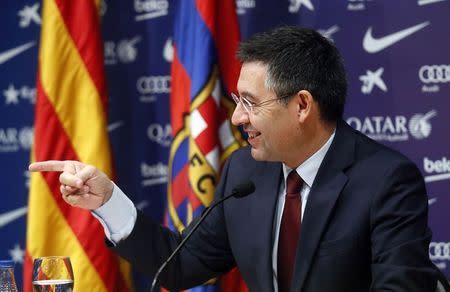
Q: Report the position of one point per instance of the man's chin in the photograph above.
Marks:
(257, 154)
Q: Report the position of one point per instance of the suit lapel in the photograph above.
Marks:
(327, 186)
(267, 182)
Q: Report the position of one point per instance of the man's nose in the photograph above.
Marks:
(240, 115)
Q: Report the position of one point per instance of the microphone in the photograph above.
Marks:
(239, 191)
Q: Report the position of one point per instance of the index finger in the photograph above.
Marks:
(49, 165)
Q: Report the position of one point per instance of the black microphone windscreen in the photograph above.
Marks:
(243, 189)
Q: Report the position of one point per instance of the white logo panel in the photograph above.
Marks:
(11, 53)
(439, 253)
(357, 5)
(160, 134)
(371, 79)
(295, 5)
(374, 45)
(13, 95)
(124, 51)
(14, 139)
(149, 9)
(436, 170)
(148, 86)
(28, 15)
(243, 5)
(394, 128)
(432, 76)
(154, 174)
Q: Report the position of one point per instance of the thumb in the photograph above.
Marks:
(86, 173)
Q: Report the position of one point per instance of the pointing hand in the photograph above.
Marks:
(82, 185)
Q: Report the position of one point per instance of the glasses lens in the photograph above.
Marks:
(240, 100)
(235, 98)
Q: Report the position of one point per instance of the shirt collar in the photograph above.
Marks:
(309, 168)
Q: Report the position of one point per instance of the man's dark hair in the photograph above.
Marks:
(300, 58)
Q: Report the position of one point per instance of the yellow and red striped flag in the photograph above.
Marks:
(71, 124)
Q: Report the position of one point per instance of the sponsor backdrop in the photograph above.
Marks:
(396, 55)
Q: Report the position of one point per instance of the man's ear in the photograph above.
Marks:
(305, 103)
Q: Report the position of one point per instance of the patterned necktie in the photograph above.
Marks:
(289, 231)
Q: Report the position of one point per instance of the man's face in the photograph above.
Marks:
(272, 128)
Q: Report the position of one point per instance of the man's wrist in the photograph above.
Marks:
(117, 215)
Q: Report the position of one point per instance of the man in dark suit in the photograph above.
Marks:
(332, 210)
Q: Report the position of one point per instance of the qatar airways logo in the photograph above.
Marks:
(14, 139)
(161, 134)
(394, 128)
(125, 51)
(436, 169)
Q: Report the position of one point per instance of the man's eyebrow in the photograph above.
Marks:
(247, 95)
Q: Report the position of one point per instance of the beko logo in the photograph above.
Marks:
(433, 75)
(148, 9)
(436, 170)
(436, 166)
(154, 174)
(396, 128)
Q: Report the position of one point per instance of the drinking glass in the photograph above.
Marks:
(53, 274)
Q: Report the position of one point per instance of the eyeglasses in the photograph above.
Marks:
(250, 106)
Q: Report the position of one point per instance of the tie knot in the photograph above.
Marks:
(293, 183)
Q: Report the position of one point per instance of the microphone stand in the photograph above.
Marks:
(235, 193)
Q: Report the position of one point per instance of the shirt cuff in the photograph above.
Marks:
(117, 216)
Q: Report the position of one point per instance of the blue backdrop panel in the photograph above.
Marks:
(395, 52)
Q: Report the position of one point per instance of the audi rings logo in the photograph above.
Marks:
(153, 84)
(435, 73)
(439, 251)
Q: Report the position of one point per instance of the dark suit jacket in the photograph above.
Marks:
(364, 227)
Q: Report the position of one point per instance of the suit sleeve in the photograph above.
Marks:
(205, 255)
(400, 236)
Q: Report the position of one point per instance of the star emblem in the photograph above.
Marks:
(17, 254)
(11, 95)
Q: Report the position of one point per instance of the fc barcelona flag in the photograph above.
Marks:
(70, 124)
(204, 72)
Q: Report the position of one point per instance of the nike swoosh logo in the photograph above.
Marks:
(11, 53)
(373, 45)
(431, 201)
(10, 216)
(426, 2)
(113, 126)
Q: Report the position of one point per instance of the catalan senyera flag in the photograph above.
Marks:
(71, 124)
(204, 72)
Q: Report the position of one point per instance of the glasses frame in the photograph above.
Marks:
(250, 106)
